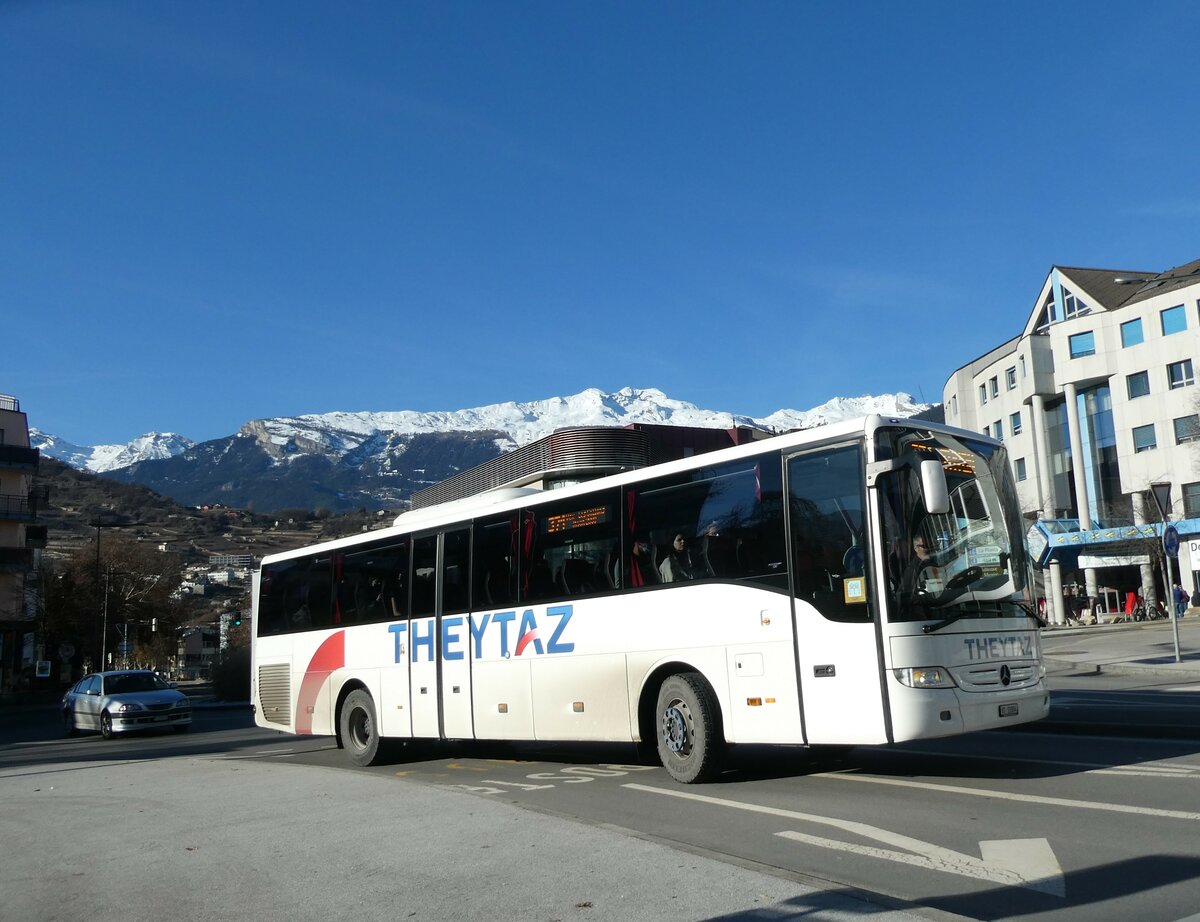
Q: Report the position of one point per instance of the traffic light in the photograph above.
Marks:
(237, 620)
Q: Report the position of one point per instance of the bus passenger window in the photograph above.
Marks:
(569, 548)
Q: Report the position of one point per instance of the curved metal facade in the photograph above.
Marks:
(572, 455)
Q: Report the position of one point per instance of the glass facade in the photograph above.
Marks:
(1101, 470)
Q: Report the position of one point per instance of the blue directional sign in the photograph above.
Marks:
(1170, 541)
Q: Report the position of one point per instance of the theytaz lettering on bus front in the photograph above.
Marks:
(504, 623)
(998, 647)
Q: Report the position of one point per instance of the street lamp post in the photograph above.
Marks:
(98, 524)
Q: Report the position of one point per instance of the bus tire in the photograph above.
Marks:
(360, 728)
(690, 746)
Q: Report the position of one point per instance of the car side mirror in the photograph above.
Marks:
(933, 487)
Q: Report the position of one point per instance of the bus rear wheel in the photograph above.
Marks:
(689, 731)
(359, 728)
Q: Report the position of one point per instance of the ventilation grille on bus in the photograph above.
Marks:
(275, 693)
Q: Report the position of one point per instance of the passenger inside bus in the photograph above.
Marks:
(677, 565)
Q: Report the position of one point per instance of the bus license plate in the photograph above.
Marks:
(1008, 710)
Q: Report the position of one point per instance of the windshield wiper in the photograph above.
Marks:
(945, 622)
(1032, 613)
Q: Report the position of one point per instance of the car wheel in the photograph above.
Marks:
(359, 728)
(182, 728)
(106, 727)
(689, 731)
(68, 722)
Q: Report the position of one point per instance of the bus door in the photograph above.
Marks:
(454, 634)
(439, 636)
(837, 639)
(423, 639)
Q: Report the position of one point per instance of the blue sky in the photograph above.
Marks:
(214, 212)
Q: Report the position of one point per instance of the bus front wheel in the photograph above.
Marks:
(359, 728)
(689, 730)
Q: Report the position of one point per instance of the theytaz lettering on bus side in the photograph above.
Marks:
(453, 640)
(998, 647)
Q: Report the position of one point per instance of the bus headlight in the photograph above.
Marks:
(924, 677)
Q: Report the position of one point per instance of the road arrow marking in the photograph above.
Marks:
(1028, 863)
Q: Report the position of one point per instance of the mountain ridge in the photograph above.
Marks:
(341, 461)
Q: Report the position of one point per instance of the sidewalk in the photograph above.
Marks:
(1140, 648)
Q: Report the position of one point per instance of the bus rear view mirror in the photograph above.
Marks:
(933, 486)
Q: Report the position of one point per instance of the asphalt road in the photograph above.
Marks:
(1089, 818)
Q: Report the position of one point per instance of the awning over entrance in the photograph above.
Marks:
(1062, 540)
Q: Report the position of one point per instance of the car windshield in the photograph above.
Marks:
(968, 562)
(133, 682)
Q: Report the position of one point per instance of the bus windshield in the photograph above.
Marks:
(969, 562)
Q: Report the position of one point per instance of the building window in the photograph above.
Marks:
(1014, 423)
(1174, 320)
(1179, 374)
(1082, 344)
(1137, 384)
(998, 431)
(1010, 377)
(1191, 500)
(954, 404)
(995, 383)
(1019, 468)
(1187, 428)
(1143, 438)
(987, 430)
(1023, 361)
(982, 394)
(1131, 333)
(1073, 306)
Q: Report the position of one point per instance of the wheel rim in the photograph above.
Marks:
(360, 728)
(676, 727)
(105, 725)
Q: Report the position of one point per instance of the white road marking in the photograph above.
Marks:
(1028, 863)
(1022, 798)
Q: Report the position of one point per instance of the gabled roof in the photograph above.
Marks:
(1112, 289)
(1179, 277)
(1101, 284)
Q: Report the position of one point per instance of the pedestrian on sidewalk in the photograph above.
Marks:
(1181, 601)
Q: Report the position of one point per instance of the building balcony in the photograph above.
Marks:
(17, 458)
(15, 559)
(15, 508)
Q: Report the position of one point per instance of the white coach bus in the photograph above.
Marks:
(860, 583)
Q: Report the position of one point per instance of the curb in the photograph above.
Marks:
(1187, 671)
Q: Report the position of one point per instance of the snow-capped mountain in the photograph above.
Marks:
(521, 423)
(376, 460)
(101, 458)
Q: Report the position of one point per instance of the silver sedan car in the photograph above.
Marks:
(118, 702)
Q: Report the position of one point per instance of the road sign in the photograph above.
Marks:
(124, 648)
(1170, 541)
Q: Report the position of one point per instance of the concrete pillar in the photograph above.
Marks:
(1083, 505)
(1041, 457)
(1149, 592)
(1055, 610)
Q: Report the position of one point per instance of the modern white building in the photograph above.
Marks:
(1104, 372)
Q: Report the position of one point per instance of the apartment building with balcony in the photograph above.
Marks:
(1095, 400)
(21, 541)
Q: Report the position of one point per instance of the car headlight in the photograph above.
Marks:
(129, 706)
(924, 677)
